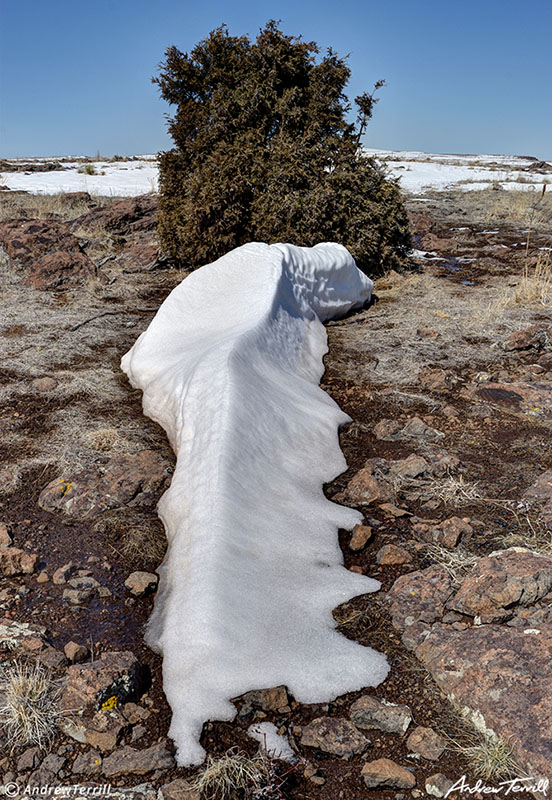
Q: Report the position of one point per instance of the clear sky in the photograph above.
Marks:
(463, 77)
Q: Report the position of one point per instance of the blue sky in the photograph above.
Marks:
(469, 77)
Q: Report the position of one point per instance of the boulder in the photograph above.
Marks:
(51, 255)
(501, 678)
(537, 337)
(502, 580)
(123, 217)
(419, 596)
(133, 480)
(541, 490)
(335, 736)
(87, 763)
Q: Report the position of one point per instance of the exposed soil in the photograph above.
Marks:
(450, 315)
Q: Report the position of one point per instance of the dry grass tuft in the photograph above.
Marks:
(234, 772)
(137, 536)
(453, 490)
(533, 534)
(535, 287)
(491, 758)
(30, 711)
(101, 439)
(457, 562)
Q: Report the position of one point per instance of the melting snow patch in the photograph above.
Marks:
(230, 367)
(271, 742)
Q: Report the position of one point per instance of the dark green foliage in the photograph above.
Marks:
(263, 151)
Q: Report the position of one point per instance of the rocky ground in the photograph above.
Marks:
(447, 378)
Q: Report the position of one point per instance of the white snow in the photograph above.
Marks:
(420, 172)
(230, 367)
(271, 742)
(113, 179)
(417, 173)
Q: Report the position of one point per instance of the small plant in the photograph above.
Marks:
(30, 711)
(457, 562)
(492, 758)
(535, 287)
(235, 774)
(87, 169)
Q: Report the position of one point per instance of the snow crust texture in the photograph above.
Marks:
(230, 367)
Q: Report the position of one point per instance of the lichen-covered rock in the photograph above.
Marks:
(419, 596)
(501, 677)
(426, 742)
(125, 480)
(335, 736)
(112, 680)
(369, 713)
(49, 252)
(502, 580)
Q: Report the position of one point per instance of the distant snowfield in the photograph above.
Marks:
(422, 172)
(112, 178)
(418, 173)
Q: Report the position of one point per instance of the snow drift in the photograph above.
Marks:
(230, 367)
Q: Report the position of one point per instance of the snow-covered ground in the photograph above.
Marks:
(230, 367)
(417, 172)
(420, 172)
(111, 178)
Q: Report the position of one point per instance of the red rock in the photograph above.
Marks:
(124, 480)
(451, 530)
(536, 337)
(274, 699)
(369, 484)
(138, 762)
(14, 561)
(501, 677)
(48, 251)
(115, 678)
(124, 217)
(541, 490)
(360, 538)
(502, 580)
(369, 713)
(140, 584)
(386, 774)
(391, 554)
(419, 596)
(75, 652)
(5, 538)
(426, 742)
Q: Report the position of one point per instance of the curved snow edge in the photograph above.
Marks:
(230, 367)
